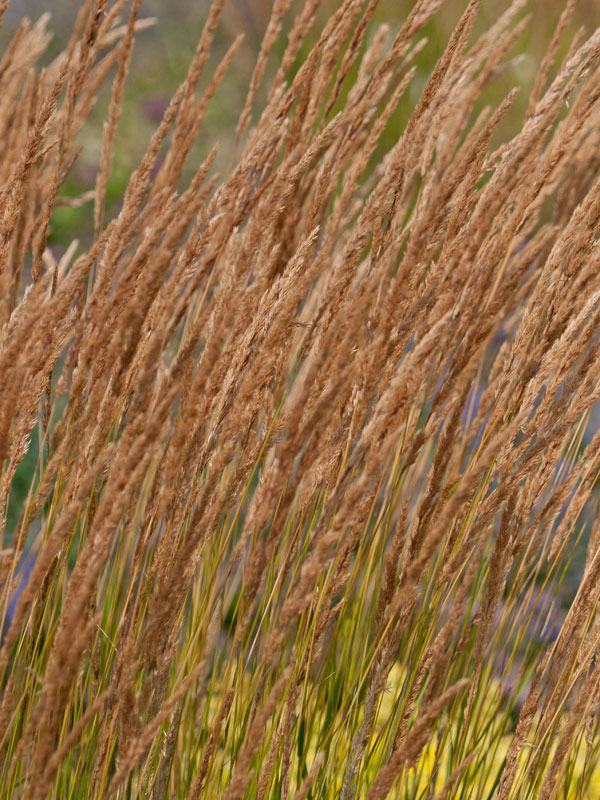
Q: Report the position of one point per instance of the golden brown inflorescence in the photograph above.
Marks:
(316, 434)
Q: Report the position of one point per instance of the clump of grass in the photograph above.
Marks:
(314, 437)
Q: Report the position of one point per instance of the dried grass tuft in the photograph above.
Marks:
(316, 437)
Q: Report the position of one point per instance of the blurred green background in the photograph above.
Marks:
(163, 52)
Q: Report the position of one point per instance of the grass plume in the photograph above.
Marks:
(315, 435)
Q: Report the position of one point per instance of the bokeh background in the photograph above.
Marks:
(163, 51)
